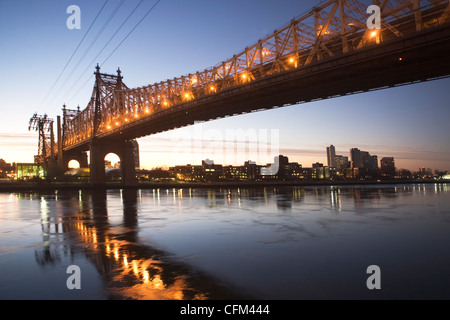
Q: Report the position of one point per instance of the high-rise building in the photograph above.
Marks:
(282, 161)
(331, 156)
(356, 158)
(363, 159)
(387, 166)
(342, 162)
(369, 162)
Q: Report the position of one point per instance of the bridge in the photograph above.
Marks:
(325, 53)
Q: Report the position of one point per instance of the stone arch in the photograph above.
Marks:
(112, 173)
(124, 149)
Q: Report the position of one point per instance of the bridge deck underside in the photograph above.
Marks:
(420, 57)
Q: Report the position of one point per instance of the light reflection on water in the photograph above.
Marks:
(242, 243)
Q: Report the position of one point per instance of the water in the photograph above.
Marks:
(257, 243)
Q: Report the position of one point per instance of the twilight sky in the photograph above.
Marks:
(180, 37)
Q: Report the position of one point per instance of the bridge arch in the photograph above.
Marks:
(125, 151)
(112, 167)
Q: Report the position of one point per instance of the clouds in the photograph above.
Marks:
(21, 141)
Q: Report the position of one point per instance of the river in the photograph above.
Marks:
(283, 243)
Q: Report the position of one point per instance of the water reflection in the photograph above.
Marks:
(104, 228)
(130, 268)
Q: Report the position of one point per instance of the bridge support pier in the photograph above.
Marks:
(123, 149)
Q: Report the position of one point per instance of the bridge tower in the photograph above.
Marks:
(108, 90)
(64, 157)
(46, 148)
(107, 100)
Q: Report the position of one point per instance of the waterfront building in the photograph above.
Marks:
(356, 158)
(331, 157)
(28, 171)
(387, 167)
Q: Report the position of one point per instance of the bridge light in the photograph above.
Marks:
(265, 52)
(165, 103)
(212, 88)
(375, 34)
(117, 123)
(109, 127)
(146, 110)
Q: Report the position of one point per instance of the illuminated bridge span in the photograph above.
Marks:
(325, 53)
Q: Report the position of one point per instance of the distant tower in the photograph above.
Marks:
(331, 156)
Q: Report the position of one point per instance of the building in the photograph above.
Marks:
(6, 169)
(319, 171)
(211, 171)
(294, 170)
(108, 164)
(26, 171)
(355, 158)
(252, 170)
(277, 169)
(249, 171)
(331, 157)
(188, 172)
(387, 167)
(369, 162)
(283, 162)
(342, 162)
(363, 159)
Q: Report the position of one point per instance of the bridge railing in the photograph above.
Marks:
(333, 28)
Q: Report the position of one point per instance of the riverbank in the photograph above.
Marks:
(11, 186)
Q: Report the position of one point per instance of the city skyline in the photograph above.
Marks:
(408, 123)
(355, 159)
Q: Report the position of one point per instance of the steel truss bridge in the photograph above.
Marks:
(325, 53)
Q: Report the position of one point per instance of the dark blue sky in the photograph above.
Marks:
(180, 37)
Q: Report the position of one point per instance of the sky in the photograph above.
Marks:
(179, 37)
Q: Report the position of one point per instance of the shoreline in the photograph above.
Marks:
(46, 186)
